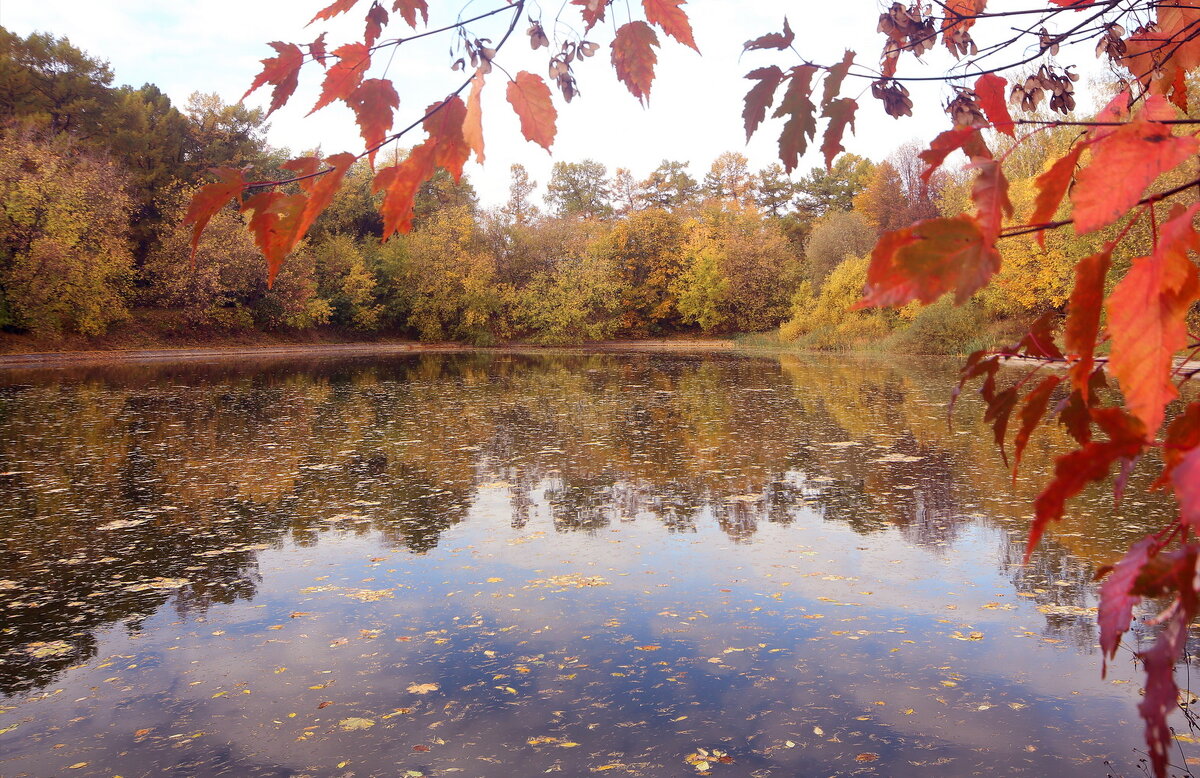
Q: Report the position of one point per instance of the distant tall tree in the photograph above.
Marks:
(729, 178)
(822, 191)
(519, 208)
(774, 189)
(626, 193)
(670, 186)
(896, 195)
(580, 189)
(226, 135)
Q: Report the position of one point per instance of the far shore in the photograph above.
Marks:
(284, 351)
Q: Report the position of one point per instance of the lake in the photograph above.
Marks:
(499, 564)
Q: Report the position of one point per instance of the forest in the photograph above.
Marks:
(95, 180)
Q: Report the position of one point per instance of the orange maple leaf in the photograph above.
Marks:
(445, 128)
(1052, 188)
(530, 98)
(634, 58)
(333, 9)
(212, 198)
(399, 184)
(1083, 315)
(473, 121)
(1146, 318)
(928, 259)
(374, 101)
(377, 19)
(1124, 162)
(673, 20)
(593, 12)
(283, 71)
(345, 75)
(409, 9)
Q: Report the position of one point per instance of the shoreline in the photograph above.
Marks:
(285, 351)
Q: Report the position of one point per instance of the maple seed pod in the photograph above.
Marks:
(537, 35)
(587, 48)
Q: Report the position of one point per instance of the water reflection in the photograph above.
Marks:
(131, 492)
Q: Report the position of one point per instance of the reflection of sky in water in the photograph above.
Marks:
(601, 562)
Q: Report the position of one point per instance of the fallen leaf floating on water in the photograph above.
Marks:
(353, 723)
(422, 688)
(40, 650)
(866, 756)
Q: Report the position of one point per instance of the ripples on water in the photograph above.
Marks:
(507, 564)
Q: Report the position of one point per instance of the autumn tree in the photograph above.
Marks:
(65, 263)
(1103, 184)
(520, 208)
(670, 186)
(729, 178)
(579, 189)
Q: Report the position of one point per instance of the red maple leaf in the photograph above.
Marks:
(374, 101)
(1124, 162)
(928, 259)
(760, 97)
(1146, 318)
(530, 98)
(634, 58)
(283, 71)
(409, 9)
(840, 113)
(345, 75)
(990, 90)
(673, 20)
(212, 198)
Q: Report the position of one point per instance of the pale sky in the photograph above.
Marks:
(694, 112)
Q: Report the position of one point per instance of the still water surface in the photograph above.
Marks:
(517, 564)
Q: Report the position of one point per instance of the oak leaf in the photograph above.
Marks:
(1146, 318)
(928, 259)
(530, 98)
(283, 71)
(672, 19)
(344, 76)
(634, 58)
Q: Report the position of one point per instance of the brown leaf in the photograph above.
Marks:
(634, 58)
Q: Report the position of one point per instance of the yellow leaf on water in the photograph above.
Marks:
(495, 580)
(354, 722)
(77, 765)
(422, 688)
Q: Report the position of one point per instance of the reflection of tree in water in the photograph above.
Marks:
(205, 465)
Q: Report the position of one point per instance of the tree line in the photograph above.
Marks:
(95, 182)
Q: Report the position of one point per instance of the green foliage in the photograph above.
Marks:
(50, 84)
(579, 189)
(943, 328)
(646, 250)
